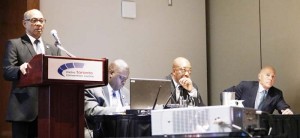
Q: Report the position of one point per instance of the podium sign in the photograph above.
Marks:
(63, 69)
(61, 82)
(45, 70)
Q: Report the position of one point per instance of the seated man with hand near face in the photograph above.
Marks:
(182, 84)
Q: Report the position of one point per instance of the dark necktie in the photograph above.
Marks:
(38, 47)
(114, 94)
(180, 90)
(114, 99)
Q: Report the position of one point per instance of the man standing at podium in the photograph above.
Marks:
(113, 98)
(23, 102)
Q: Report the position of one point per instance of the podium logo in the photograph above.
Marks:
(66, 66)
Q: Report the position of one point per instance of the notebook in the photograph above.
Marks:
(143, 93)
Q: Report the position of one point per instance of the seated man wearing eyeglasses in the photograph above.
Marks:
(23, 102)
(182, 85)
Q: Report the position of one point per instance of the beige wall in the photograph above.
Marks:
(235, 40)
(281, 45)
(242, 36)
(233, 44)
(149, 43)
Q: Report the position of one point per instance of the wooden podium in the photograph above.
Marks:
(61, 82)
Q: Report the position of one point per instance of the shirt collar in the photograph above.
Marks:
(109, 87)
(261, 88)
(175, 83)
(110, 90)
(32, 39)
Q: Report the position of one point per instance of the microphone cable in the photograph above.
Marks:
(222, 123)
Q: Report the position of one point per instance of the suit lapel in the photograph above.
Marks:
(47, 48)
(26, 41)
(267, 99)
(122, 99)
(173, 89)
(253, 93)
(106, 95)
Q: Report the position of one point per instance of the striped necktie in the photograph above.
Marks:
(262, 99)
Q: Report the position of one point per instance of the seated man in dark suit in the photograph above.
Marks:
(182, 84)
(262, 95)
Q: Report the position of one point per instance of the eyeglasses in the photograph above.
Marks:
(123, 78)
(184, 70)
(35, 20)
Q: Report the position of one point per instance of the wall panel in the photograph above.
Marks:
(281, 45)
(233, 44)
(240, 30)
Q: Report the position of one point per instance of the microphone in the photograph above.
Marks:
(54, 34)
(58, 43)
(170, 97)
(156, 97)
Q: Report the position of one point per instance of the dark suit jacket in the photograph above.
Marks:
(247, 91)
(22, 104)
(198, 99)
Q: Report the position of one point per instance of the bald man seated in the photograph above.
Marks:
(261, 94)
(110, 99)
(182, 84)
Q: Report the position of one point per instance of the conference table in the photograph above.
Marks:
(122, 126)
(283, 126)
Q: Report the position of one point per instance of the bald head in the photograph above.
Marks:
(266, 68)
(267, 77)
(181, 68)
(119, 65)
(181, 62)
(28, 14)
(118, 74)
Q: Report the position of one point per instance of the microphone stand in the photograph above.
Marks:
(63, 49)
(170, 97)
(156, 97)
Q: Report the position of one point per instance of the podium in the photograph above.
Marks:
(61, 82)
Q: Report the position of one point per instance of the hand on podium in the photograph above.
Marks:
(122, 109)
(23, 68)
(287, 112)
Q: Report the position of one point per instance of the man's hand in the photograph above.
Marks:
(287, 112)
(122, 109)
(23, 68)
(186, 83)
